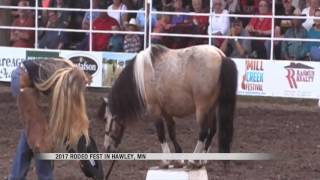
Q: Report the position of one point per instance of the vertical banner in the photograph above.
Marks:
(9, 60)
(90, 62)
(252, 77)
(113, 63)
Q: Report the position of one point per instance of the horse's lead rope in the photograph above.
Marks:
(110, 169)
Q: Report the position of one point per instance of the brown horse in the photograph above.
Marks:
(169, 83)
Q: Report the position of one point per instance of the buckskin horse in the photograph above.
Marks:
(168, 83)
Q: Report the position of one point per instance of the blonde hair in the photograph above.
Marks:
(68, 119)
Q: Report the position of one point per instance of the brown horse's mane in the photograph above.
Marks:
(124, 99)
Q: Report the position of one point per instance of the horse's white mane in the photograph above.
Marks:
(143, 58)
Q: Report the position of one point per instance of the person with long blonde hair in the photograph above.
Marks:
(64, 84)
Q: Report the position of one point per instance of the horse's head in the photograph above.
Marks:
(114, 127)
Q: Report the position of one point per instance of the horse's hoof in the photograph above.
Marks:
(194, 165)
(164, 165)
(178, 164)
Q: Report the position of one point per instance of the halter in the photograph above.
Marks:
(108, 131)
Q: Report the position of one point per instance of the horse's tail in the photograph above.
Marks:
(227, 102)
(68, 119)
(142, 59)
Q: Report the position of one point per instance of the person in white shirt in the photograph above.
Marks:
(121, 17)
(309, 11)
(219, 25)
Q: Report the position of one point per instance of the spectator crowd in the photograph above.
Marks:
(223, 21)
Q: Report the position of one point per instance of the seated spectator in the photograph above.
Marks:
(95, 15)
(237, 48)
(132, 42)
(54, 39)
(133, 5)
(219, 25)
(294, 50)
(100, 41)
(310, 11)
(179, 19)
(166, 4)
(163, 25)
(249, 6)
(199, 23)
(64, 16)
(120, 17)
(116, 41)
(232, 6)
(84, 43)
(140, 19)
(313, 48)
(181, 24)
(23, 38)
(282, 25)
(261, 27)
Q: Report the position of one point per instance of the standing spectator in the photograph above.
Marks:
(238, 48)
(313, 48)
(310, 11)
(261, 27)
(23, 38)
(294, 50)
(116, 41)
(219, 24)
(120, 17)
(132, 42)
(54, 39)
(100, 41)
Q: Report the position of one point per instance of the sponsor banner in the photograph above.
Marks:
(90, 62)
(252, 77)
(9, 60)
(113, 63)
(39, 55)
(298, 79)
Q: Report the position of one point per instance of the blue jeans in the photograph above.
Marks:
(24, 154)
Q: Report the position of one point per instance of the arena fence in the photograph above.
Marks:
(257, 77)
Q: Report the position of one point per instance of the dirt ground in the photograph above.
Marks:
(287, 128)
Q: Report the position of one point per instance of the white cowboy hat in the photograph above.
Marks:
(133, 23)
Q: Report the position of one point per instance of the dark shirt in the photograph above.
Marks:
(283, 23)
